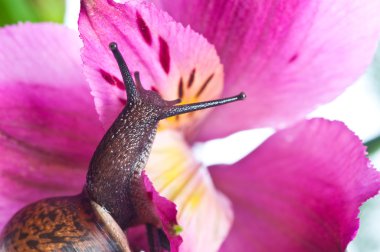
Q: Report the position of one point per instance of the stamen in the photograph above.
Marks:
(130, 87)
(181, 109)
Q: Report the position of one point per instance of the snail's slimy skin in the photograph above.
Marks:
(120, 189)
(114, 197)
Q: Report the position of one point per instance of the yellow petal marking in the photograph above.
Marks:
(204, 213)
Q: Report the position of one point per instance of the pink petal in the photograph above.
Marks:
(288, 56)
(48, 124)
(204, 214)
(164, 52)
(167, 212)
(299, 191)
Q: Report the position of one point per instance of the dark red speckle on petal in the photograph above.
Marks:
(123, 101)
(112, 80)
(144, 29)
(204, 85)
(164, 55)
(180, 89)
(293, 58)
(191, 78)
(154, 89)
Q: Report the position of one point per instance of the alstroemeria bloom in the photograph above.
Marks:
(288, 57)
(49, 128)
(299, 191)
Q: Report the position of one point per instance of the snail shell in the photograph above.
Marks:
(72, 223)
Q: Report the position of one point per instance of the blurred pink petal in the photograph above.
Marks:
(49, 127)
(299, 192)
(171, 59)
(288, 56)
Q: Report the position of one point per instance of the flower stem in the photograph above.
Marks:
(373, 145)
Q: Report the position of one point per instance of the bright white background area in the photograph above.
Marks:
(358, 107)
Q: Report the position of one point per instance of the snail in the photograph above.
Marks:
(114, 197)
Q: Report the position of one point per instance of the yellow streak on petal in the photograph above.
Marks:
(196, 198)
(204, 214)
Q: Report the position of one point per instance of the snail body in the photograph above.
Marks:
(114, 197)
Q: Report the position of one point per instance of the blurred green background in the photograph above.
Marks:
(13, 11)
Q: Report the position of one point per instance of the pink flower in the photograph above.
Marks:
(299, 191)
(49, 128)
